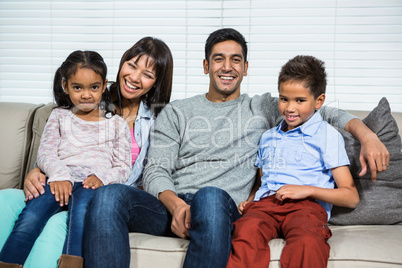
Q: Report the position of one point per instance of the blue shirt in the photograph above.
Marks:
(301, 156)
(143, 123)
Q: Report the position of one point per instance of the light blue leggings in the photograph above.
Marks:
(49, 245)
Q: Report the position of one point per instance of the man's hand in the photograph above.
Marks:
(181, 220)
(181, 216)
(92, 182)
(373, 152)
(33, 184)
(61, 191)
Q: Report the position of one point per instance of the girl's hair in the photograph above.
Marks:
(78, 60)
(158, 55)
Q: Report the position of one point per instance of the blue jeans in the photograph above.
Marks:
(212, 213)
(116, 210)
(34, 217)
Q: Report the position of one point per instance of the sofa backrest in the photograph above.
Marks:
(22, 125)
(15, 140)
(363, 114)
(38, 125)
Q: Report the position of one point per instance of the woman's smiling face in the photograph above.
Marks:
(137, 77)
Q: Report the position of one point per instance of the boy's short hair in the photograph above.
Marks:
(308, 70)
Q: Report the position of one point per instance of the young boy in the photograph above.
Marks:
(299, 161)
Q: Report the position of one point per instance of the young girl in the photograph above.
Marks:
(83, 147)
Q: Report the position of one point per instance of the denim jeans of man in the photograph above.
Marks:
(116, 210)
(33, 218)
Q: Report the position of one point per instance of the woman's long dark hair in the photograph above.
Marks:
(79, 59)
(161, 58)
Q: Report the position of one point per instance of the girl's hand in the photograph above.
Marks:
(92, 182)
(293, 192)
(61, 191)
(241, 206)
(33, 184)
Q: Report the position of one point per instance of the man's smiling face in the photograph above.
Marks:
(226, 69)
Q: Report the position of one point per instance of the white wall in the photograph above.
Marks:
(360, 41)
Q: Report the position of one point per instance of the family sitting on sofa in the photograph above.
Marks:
(189, 175)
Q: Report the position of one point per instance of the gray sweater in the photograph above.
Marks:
(196, 143)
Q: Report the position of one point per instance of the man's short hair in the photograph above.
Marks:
(225, 34)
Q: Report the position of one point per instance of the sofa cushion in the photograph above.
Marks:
(368, 246)
(38, 126)
(380, 201)
(15, 136)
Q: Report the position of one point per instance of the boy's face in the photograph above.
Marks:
(226, 69)
(297, 104)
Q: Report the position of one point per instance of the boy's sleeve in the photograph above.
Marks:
(333, 152)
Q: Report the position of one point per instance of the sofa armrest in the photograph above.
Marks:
(15, 139)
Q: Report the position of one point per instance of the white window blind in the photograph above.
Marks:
(360, 41)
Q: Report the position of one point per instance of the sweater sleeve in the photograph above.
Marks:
(48, 160)
(121, 156)
(336, 117)
(163, 152)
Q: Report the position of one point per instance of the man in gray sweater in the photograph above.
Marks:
(203, 149)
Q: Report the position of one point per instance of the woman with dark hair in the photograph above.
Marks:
(143, 86)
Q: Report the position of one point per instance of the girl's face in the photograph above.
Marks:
(85, 89)
(137, 78)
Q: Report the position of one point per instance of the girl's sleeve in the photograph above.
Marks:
(121, 158)
(48, 160)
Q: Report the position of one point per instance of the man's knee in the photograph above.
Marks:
(210, 194)
(214, 205)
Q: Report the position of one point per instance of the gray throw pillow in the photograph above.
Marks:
(380, 201)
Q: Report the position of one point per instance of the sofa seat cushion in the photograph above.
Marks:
(366, 245)
(351, 246)
(156, 251)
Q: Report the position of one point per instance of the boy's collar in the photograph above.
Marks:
(309, 127)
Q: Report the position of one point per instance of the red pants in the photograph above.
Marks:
(303, 224)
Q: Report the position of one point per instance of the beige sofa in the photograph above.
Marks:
(351, 245)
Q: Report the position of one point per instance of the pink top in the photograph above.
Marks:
(73, 149)
(135, 150)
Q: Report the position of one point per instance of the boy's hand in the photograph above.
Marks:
(241, 206)
(92, 182)
(293, 192)
(61, 191)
